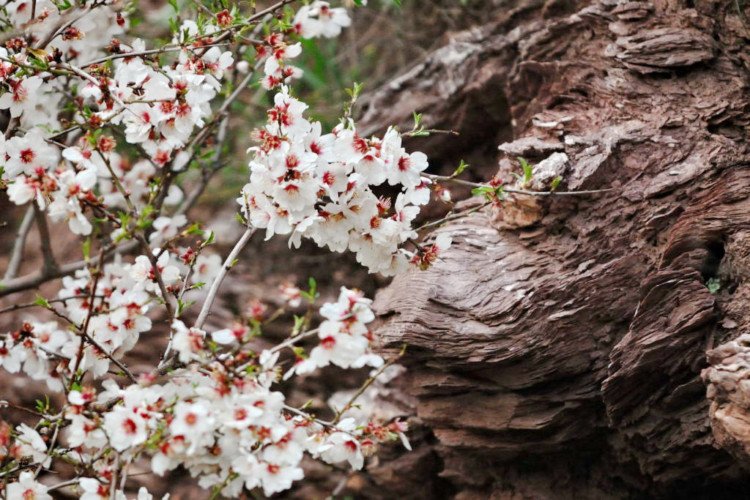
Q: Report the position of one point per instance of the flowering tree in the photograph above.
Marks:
(103, 128)
(117, 138)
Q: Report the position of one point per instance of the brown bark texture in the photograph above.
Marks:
(585, 346)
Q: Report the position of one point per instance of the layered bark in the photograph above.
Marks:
(557, 349)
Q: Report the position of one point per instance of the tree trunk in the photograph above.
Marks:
(588, 346)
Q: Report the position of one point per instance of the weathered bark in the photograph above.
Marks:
(556, 351)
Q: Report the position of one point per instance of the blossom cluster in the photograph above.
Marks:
(220, 419)
(344, 336)
(320, 186)
(303, 182)
(111, 308)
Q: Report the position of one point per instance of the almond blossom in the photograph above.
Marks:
(320, 186)
(27, 488)
(320, 19)
(125, 428)
(22, 97)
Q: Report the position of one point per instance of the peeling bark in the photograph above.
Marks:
(556, 351)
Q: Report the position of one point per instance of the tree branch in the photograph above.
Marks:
(18, 247)
(33, 280)
(445, 178)
(50, 264)
(228, 263)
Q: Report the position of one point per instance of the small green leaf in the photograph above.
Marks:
(489, 193)
(713, 285)
(299, 322)
(194, 229)
(528, 170)
(312, 293)
(86, 247)
(41, 302)
(462, 166)
(417, 120)
(483, 191)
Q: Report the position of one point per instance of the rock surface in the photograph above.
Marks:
(561, 356)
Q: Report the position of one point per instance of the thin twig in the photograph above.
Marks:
(455, 216)
(50, 446)
(111, 357)
(16, 307)
(306, 415)
(113, 484)
(362, 389)
(157, 273)
(177, 310)
(35, 279)
(50, 264)
(228, 263)
(89, 314)
(445, 178)
(149, 52)
(18, 247)
(62, 27)
(69, 482)
(294, 340)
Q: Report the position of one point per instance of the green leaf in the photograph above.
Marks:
(63, 5)
(312, 293)
(528, 170)
(212, 346)
(86, 248)
(417, 119)
(43, 406)
(354, 91)
(555, 183)
(713, 285)
(41, 302)
(489, 193)
(462, 166)
(194, 229)
(482, 191)
(299, 322)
